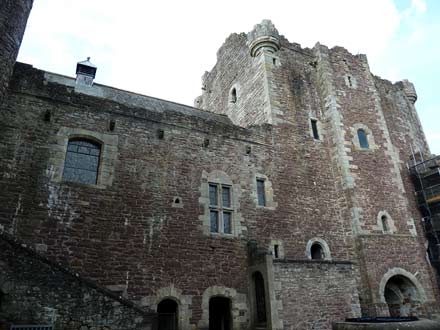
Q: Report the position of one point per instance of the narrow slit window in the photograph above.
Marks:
(363, 140)
(261, 193)
(315, 132)
(233, 95)
(276, 251)
(82, 161)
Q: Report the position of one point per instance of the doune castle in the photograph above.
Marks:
(297, 192)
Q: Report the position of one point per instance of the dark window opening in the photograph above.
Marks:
(261, 193)
(248, 150)
(47, 116)
(276, 251)
(177, 200)
(274, 60)
(167, 315)
(316, 252)
(384, 220)
(220, 314)
(160, 134)
(206, 143)
(363, 140)
(314, 123)
(220, 208)
(260, 299)
(233, 95)
(111, 125)
(349, 81)
(82, 161)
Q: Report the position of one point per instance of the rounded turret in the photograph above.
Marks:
(410, 91)
(263, 38)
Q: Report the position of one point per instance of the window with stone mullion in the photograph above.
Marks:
(220, 208)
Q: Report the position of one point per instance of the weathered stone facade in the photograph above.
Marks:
(315, 218)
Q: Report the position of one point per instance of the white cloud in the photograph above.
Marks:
(162, 48)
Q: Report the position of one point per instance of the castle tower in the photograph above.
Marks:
(13, 18)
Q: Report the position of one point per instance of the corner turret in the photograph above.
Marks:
(263, 38)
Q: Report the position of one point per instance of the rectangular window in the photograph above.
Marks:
(314, 123)
(213, 195)
(226, 196)
(227, 222)
(214, 221)
(261, 193)
(220, 205)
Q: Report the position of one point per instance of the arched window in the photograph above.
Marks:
(385, 226)
(233, 95)
(363, 140)
(316, 252)
(82, 161)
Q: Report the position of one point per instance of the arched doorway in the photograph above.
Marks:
(401, 297)
(167, 315)
(260, 299)
(220, 313)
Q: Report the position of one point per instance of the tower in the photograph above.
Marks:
(13, 19)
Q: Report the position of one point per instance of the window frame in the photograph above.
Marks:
(220, 208)
(363, 142)
(263, 192)
(97, 144)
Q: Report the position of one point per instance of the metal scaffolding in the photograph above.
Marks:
(426, 178)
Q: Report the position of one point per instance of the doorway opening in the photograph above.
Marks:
(260, 299)
(402, 297)
(220, 313)
(167, 315)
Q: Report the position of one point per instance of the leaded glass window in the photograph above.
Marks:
(220, 208)
(261, 193)
(363, 140)
(82, 161)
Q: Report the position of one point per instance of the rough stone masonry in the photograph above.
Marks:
(281, 200)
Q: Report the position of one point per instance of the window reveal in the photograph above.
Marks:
(220, 208)
(82, 161)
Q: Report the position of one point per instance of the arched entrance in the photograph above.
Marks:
(401, 296)
(167, 315)
(260, 299)
(220, 313)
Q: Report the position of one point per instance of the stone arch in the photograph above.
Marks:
(183, 302)
(323, 244)
(389, 222)
(369, 135)
(402, 293)
(400, 271)
(239, 308)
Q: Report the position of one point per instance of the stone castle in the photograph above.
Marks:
(281, 200)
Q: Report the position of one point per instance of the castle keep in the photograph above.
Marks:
(281, 200)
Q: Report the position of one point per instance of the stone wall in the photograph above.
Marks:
(39, 292)
(13, 18)
(310, 295)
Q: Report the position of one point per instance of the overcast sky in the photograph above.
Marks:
(162, 48)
